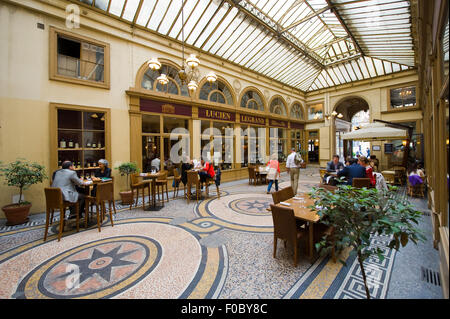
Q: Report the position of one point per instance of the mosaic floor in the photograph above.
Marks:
(216, 248)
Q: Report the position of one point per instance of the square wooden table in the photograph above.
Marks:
(153, 177)
(300, 205)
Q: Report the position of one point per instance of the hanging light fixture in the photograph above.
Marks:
(163, 79)
(154, 64)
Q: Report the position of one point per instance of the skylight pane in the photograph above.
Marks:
(158, 14)
(370, 67)
(130, 9)
(210, 26)
(146, 10)
(116, 7)
(222, 27)
(247, 38)
(194, 17)
(174, 9)
(101, 4)
(379, 66)
(230, 36)
(176, 29)
(201, 24)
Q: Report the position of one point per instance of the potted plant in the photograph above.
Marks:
(21, 174)
(357, 213)
(126, 169)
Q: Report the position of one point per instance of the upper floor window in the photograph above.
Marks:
(315, 111)
(77, 59)
(217, 92)
(252, 100)
(174, 86)
(403, 97)
(297, 111)
(277, 106)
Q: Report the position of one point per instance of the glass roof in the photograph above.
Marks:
(305, 44)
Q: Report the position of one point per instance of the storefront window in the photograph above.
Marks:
(315, 111)
(253, 141)
(150, 124)
(444, 49)
(171, 123)
(151, 150)
(403, 97)
(296, 140)
(313, 147)
(278, 143)
(220, 137)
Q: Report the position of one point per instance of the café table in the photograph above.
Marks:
(262, 172)
(153, 177)
(300, 205)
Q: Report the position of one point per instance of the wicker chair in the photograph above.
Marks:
(105, 193)
(361, 182)
(161, 181)
(193, 180)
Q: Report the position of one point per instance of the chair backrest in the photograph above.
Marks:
(282, 194)
(251, 172)
(53, 197)
(284, 225)
(322, 173)
(175, 173)
(361, 182)
(134, 178)
(162, 176)
(105, 191)
(192, 177)
(330, 188)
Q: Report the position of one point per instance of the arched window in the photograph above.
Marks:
(216, 92)
(277, 106)
(297, 111)
(174, 86)
(252, 100)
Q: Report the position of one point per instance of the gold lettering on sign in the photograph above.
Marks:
(218, 115)
(168, 108)
(252, 119)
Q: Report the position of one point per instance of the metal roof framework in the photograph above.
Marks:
(305, 44)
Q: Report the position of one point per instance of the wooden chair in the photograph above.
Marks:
(105, 192)
(417, 190)
(193, 180)
(252, 178)
(54, 200)
(161, 181)
(361, 182)
(177, 179)
(330, 188)
(322, 173)
(389, 177)
(284, 227)
(137, 185)
(282, 195)
(209, 181)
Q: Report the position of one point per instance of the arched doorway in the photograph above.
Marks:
(355, 111)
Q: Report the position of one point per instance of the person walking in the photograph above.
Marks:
(273, 174)
(293, 162)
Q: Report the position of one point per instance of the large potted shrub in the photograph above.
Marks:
(126, 169)
(21, 174)
(355, 214)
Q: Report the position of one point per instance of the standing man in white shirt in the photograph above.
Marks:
(293, 162)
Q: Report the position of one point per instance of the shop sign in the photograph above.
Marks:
(278, 123)
(164, 107)
(296, 125)
(216, 115)
(250, 119)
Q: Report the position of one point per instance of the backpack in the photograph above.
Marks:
(298, 159)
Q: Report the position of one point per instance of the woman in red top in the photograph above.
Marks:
(363, 161)
(206, 171)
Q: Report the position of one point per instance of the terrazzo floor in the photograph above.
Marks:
(216, 248)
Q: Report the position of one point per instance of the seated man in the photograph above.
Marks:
(352, 171)
(66, 179)
(206, 171)
(333, 167)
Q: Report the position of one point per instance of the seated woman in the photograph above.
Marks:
(102, 171)
(364, 162)
(185, 166)
(206, 171)
(415, 175)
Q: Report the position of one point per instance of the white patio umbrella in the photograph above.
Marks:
(376, 132)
